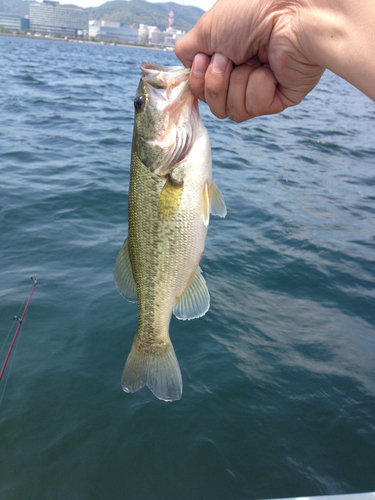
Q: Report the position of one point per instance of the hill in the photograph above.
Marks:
(153, 14)
(126, 12)
(19, 7)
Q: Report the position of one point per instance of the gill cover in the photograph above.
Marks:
(166, 117)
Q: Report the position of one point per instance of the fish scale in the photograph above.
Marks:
(170, 196)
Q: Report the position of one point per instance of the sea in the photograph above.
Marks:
(279, 375)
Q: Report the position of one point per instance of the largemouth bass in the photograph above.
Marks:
(171, 196)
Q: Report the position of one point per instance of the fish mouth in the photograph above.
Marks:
(171, 84)
(164, 77)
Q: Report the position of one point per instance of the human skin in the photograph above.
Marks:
(258, 57)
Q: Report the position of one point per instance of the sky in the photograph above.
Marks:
(203, 4)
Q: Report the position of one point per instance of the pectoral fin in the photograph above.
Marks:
(206, 205)
(217, 202)
(213, 202)
(123, 273)
(170, 198)
(195, 302)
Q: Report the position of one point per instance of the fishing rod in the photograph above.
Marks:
(19, 320)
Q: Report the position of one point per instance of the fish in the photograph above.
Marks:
(171, 196)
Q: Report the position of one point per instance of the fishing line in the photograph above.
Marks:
(11, 328)
(10, 368)
(15, 339)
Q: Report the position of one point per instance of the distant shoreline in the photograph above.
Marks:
(76, 40)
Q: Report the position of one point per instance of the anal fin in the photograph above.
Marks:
(195, 301)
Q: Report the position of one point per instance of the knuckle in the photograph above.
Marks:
(254, 109)
(212, 94)
(219, 113)
(235, 115)
(238, 116)
(238, 119)
(214, 89)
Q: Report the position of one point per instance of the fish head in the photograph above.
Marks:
(166, 117)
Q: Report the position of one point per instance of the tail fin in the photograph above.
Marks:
(155, 367)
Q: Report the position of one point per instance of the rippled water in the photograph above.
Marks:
(279, 376)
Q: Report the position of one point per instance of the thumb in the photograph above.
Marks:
(193, 42)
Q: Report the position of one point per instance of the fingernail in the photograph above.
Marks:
(199, 65)
(219, 63)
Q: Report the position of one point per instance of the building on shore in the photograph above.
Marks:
(51, 17)
(104, 30)
(143, 33)
(153, 36)
(12, 22)
(104, 24)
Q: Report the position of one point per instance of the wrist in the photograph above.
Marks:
(337, 35)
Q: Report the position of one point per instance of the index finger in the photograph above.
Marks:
(185, 51)
(192, 43)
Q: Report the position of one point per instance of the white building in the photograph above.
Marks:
(51, 17)
(113, 34)
(143, 33)
(172, 35)
(104, 24)
(155, 36)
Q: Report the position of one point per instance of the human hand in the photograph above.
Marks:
(247, 59)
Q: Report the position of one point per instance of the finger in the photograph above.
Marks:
(236, 98)
(197, 75)
(181, 52)
(216, 84)
(196, 40)
(262, 94)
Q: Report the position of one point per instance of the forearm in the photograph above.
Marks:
(339, 35)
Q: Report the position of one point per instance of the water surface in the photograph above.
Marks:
(279, 375)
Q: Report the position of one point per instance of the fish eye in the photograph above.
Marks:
(139, 102)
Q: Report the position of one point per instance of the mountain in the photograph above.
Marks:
(19, 7)
(141, 12)
(126, 12)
